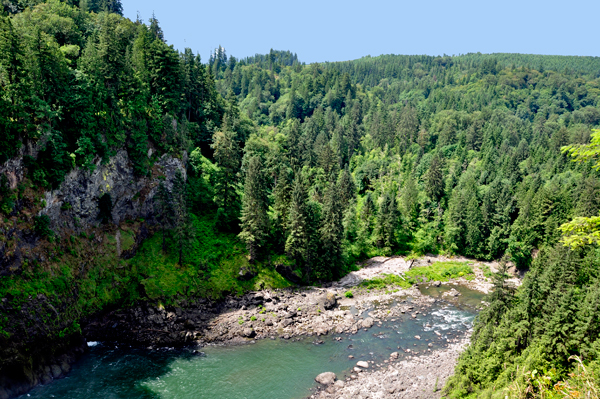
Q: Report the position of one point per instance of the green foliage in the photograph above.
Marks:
(550, 318)
(348, 294)
(41, 225)
(439, 271)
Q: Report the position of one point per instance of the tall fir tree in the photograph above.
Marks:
(434, 179)
(297, 227)
(387, 222)
(281, 205)
(346, 187)
(331, 233)
(227, 155)
(254, 219)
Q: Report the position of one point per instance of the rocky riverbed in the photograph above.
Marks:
(416, 377)
(285, 313)
(319, 313)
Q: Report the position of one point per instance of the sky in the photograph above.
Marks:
(333, 30)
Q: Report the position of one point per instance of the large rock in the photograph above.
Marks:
(363, 364)
(327, 378)
(74, 205)
(246, 274)
(367, 323)
(56, 370)
(329, 300)
(248, 332)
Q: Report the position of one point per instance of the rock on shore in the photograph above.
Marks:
(326, 378)
(413, 378)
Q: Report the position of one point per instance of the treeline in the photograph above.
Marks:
(468, 164)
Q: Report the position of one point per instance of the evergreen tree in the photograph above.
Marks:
(331, 234)
(434, 179)
(387, 222)
(227, 155)
(346, 188)
(254, 220)
(164, 210)
(410, 201)
(183, 229)
(281, 206)
(297, 241)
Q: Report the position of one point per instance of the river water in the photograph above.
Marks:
(263, 370)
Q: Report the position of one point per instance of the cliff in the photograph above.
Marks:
(51, 282)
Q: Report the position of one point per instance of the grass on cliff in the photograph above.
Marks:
(211, 266)
(438, 271)
(85, 273)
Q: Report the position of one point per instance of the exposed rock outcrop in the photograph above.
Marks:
(74, 205)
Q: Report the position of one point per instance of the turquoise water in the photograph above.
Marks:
(263, 370)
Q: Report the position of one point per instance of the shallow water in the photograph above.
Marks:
(266, 369)
(467, 298)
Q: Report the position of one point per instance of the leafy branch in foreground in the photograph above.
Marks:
(583, 230)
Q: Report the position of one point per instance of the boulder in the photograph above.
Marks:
(288, 273)
(339, 384)
(437, 283)
(394, 355)
(367, 323)
(65, 367)
(248, 332)
(56, 370)
(326, 378)
(329, 300)
(246, 274)
(362, 364)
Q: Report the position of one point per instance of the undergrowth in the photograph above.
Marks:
(439, 271)
(86, 274)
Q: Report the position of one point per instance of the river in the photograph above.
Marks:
(263, 370)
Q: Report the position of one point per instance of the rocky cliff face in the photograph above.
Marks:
(32, 348)
(74, 205)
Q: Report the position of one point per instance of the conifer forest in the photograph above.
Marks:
(294, 173)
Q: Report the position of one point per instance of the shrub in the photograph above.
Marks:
(349, 294)
(42, 225)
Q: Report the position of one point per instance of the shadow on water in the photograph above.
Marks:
(266, 369)
(113, 372)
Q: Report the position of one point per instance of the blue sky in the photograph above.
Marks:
(332, 30)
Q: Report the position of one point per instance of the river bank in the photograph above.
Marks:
(313, 313)
(416, 377)
(285, 313)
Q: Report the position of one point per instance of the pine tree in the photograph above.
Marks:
(297, 227)
(281, 206)
(387, 222)
(164, 211)
(184, 231)
(254, 220)
(346, 188)
(473, 222)
(331, 233)
(434, 179)
(227, 155)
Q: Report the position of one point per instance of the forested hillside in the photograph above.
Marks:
(311, 168)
